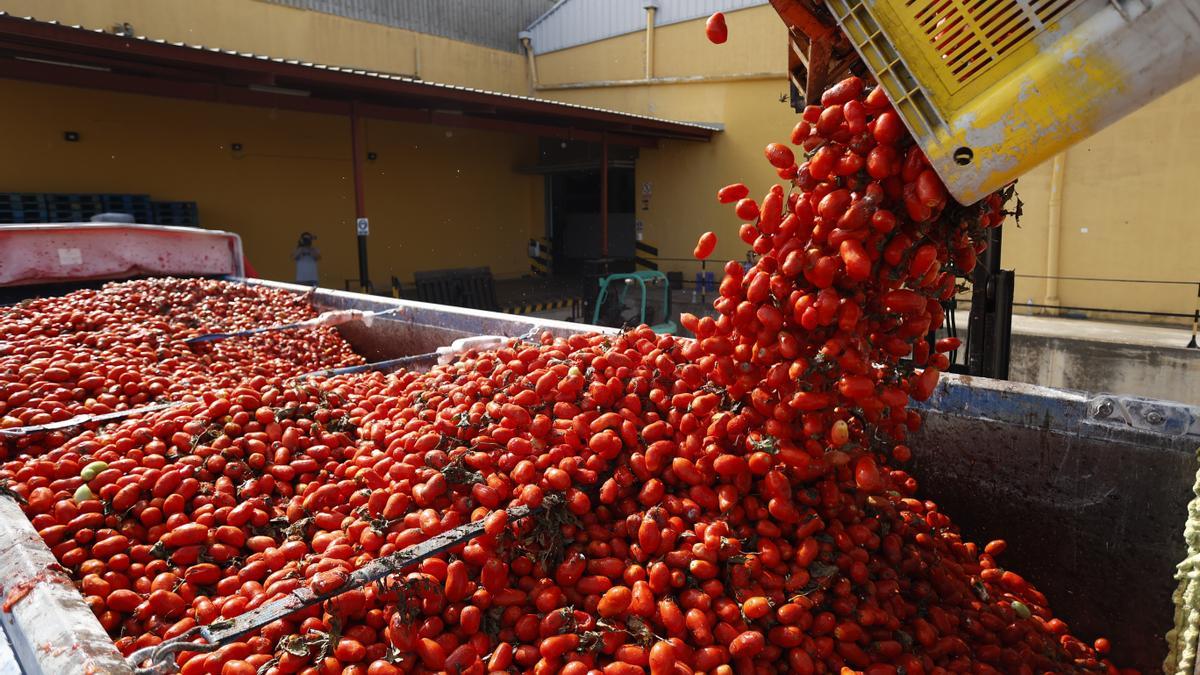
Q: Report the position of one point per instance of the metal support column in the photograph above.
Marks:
(361, 224)
(989, 328)
(604, 196)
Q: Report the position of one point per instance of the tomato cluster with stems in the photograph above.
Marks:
(122, 346)
(733, 503)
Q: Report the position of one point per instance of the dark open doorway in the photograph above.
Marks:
(574, 220)
(574, 223)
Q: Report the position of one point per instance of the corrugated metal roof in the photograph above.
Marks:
(491, 23)
(577, 22)
(544, 104)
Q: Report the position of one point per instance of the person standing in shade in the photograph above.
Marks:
(306, 256)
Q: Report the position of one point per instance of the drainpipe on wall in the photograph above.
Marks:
(603, 194)
(651, 7)
(1054, 229)
(527, 42)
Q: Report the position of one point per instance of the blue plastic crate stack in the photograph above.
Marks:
(138, 206)
(32, 207)
(22, 207)
(72, 208)
(184, 214)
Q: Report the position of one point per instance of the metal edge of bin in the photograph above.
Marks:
(458, 319)
(1065, 411)
(8, 660)
(51, 630)
(1090, 490)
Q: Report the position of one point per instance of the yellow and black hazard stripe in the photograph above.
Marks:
(645, 256)
(542, 264)
(532, 307)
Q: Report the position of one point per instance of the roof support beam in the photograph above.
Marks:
(45, 73)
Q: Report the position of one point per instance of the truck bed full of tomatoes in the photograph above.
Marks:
(122, 346)
(729, 504)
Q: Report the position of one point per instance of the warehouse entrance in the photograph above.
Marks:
(573, 220)
(575, 224)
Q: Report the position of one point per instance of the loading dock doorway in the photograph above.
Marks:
(574, 222)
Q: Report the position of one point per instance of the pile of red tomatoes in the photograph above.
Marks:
(122, 346)
(729, 504)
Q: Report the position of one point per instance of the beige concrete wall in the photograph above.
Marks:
(757, 43)
(1125, 212)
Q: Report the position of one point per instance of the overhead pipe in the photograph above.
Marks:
(651, 7)
(1054, 230)
(681, 79)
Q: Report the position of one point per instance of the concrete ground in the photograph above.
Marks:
(1103, 357)
(546, 297)
(1096, 331)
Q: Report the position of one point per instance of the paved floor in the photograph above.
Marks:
(1098, 331)
(511, 292)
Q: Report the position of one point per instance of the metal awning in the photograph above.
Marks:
(53, 53)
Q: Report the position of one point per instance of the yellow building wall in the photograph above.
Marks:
(1125, 214)
(436, 197)
(284, 32)
(757, 43)
(618, 58)
(685, 176)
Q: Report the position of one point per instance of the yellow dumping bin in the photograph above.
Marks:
(992, 88)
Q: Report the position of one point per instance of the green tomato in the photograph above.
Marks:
(1021, 610)
(82, 494)
(91, 470)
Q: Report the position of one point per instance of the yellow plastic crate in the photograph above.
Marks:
(992, 88)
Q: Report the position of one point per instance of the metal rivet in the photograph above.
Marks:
(963, 156)
(1104, 409)
(1155, 417)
